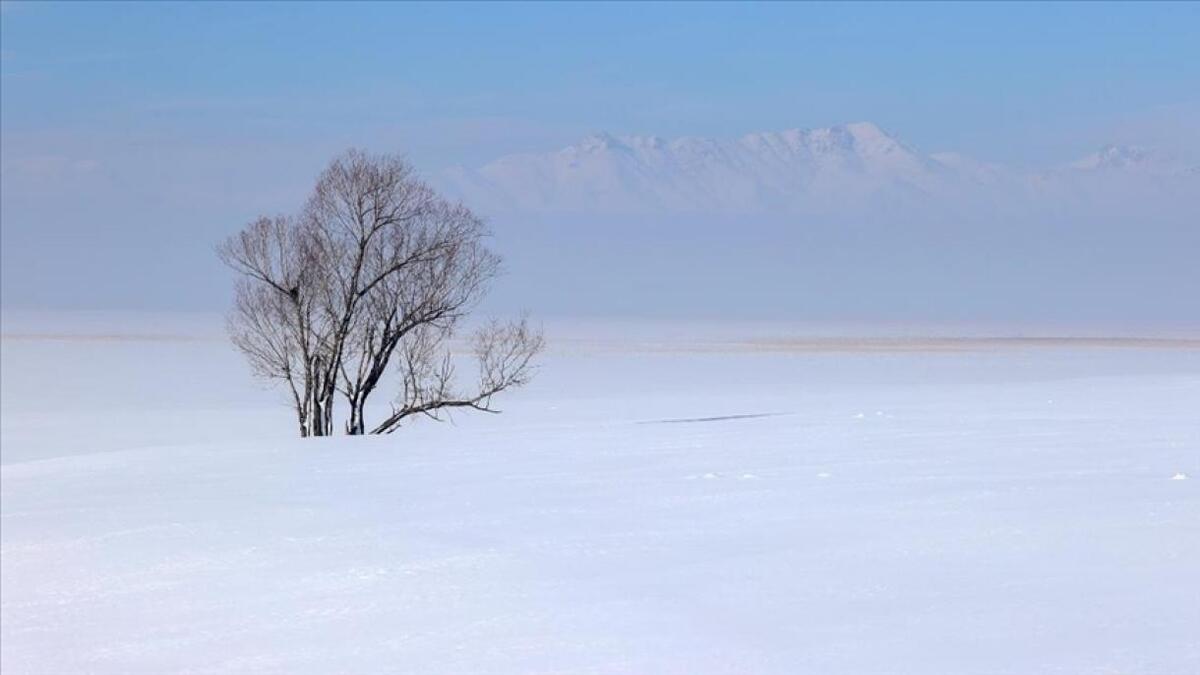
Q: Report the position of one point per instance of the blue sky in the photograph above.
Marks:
(135, 136)
(462, 83)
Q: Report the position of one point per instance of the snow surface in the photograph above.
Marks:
(664, 504)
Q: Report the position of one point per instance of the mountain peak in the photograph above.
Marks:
(867, 131)
(1112, 156)
(870, 139)
(1130, 157)
(600, 140)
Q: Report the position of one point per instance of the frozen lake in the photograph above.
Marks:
(664, 498)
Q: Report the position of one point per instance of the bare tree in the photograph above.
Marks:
(376, 272)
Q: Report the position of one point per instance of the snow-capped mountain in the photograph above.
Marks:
(1131, 157)
(766, 170)
(1129, 176)
(845, 167)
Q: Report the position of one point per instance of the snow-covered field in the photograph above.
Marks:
(663, 499)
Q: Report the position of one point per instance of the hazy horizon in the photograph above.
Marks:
(136, 137)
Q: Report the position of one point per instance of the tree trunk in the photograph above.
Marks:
(316, 423)
(355, 425)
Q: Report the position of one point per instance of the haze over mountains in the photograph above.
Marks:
(841, 169)
(842, 222)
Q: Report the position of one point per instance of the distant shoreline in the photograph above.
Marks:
(655, 335)
(106, 337)
(842, 345)
(883, 345)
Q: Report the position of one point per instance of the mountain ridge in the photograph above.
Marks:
(847, 166)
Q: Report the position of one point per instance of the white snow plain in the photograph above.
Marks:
(675, 502)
